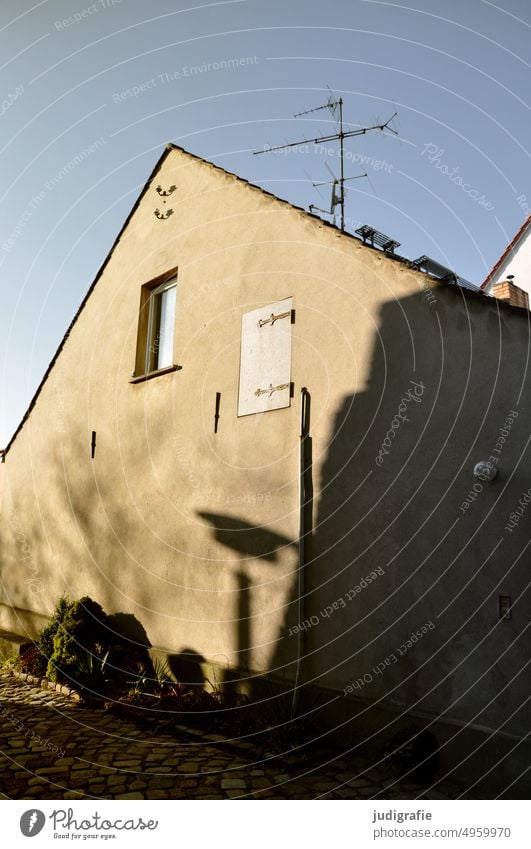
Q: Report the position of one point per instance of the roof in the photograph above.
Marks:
(510, 247)
(170, 147)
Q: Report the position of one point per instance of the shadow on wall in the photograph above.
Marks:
(187, 667)
(130, 652)
(261, 543)
(248, 541)
(392, 553)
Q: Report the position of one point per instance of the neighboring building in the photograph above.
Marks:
(510, 278)
(158, 468)
(1, 478)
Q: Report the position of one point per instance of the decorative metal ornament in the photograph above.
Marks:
(164, 193)
(163, 215)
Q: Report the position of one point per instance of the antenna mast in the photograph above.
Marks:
(341, 165)
(340, 136)
(336, 199)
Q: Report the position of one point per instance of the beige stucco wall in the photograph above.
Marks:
(129, 527)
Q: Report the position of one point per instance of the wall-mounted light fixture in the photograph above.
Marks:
(485, 470)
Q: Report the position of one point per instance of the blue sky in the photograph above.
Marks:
(118, 79)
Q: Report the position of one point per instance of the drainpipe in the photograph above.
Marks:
(303, 434)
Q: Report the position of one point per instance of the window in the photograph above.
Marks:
(156, 325)
(161, 320)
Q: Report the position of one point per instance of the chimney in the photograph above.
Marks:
(507, 291)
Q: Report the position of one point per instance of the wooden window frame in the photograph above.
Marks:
(141, 371)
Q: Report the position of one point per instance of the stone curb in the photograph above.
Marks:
(45, 684)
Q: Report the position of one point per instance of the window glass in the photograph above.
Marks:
(161, 323)
(166, 327)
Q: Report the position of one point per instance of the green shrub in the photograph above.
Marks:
(80, 632)
(82, 646)
(46, 636)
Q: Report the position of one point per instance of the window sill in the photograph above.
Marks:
(150, 374)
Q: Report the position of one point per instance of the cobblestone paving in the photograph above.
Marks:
(51, 748)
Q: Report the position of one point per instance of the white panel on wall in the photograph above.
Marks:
(265, 359)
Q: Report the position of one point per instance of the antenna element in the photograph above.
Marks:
(333, 104)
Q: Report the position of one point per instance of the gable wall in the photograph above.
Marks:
(129, 527)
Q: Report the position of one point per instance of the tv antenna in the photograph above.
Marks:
(335, 106)
(335, 199)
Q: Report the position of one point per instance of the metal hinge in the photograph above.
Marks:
(271, 389)
(272, 318)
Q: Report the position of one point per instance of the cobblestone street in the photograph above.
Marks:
(52, 748)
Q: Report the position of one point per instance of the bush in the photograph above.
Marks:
(46, 636)
(80, 634)
(83, 647)
(31, 660)
(33, 657)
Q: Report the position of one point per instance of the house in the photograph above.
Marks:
(260, 436)
(513, 265)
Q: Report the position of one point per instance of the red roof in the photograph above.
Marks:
(507, 251)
